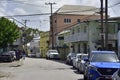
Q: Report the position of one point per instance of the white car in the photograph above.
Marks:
(52, 54)
(116, 75)
(75, 60)
(81, 62)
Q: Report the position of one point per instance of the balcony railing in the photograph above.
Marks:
(112, 36)
(76, 37)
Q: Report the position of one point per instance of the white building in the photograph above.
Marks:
(35, 46)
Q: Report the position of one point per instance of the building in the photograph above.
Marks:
(69, 15)
(86, 36)
(44, 43)
(34, 46)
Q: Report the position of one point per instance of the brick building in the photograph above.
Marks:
(69, 15)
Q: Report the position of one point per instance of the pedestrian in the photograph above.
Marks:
(18, 55)
(23, 55)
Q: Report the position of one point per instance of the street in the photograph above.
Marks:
(38, 69)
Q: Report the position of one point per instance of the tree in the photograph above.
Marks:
(28, 34)
(9, 32)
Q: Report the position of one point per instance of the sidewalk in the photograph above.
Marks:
(3, 66)
(4, 75)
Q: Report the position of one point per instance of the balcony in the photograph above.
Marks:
(112, 36)
(76, 37)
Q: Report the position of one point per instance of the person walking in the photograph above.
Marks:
(23, 55)
(18, 55)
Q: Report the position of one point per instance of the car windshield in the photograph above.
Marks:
(104, 58)
(53, 51)
(84, 56)
(73, 54)
(77, 56)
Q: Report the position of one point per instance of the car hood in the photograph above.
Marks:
(105, 64)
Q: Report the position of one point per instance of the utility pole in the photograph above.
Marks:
(51, 24)
(23, 33)
(25, 22)
(106, 24)
(102, 31)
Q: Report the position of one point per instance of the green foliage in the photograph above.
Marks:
(28, 34)
(9, 32)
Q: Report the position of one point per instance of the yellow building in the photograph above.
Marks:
(44, 43)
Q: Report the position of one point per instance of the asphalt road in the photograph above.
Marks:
(38, 69)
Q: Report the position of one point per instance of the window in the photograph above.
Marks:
(60, 38)
(78, 20)
(118, 26)
(55, 21)
(78, 30)
(85, 29)
(73, 31)
(67, 20)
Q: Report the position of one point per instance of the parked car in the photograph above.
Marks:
(70, 58)
(52, 54)
(32, 55)
(13, 53)
(7, 56)
(75, 60)
(101, 65)
(81, 63)
(116, 75)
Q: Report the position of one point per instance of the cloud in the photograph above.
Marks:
(19, 11)
(23, 7)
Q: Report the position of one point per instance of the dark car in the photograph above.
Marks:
(7, 56)
(101, 65)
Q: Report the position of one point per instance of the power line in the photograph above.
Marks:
(22, 2)
(47, 13)
(27, 15)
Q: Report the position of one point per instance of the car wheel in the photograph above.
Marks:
(10, 60)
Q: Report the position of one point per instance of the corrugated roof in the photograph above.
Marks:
(77, 9)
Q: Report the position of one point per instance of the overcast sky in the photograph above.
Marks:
(41, 22)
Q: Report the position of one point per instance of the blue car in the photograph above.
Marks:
(101, 65)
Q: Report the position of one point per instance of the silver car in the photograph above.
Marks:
(116, 75)
(75, 60)
(81, 62)
(70, 57)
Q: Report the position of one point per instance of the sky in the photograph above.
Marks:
(41, 22)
